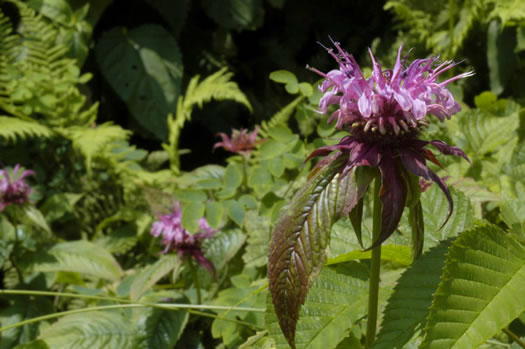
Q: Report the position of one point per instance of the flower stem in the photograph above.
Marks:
(196, 280)
(373, 292)
(514, 337)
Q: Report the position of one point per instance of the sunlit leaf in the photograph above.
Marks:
(335, 302)
(481, 290)
(150, 275)
(297, 250)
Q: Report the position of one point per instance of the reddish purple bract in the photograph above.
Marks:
(176, 238)
(384, 115)
(14, 190)
(241, 141)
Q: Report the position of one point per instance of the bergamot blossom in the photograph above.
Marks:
(14, 190)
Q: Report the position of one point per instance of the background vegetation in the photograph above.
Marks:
(116, 105)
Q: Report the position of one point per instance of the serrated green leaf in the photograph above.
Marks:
(272, 149)
(223, 246)
(485, 132)
(96, 329)
(214, 212)
(248, 201)
(393, 253)
(258, 231)
(56, 206)
(260, 180)
(120, 240)
(235, 14)
(481, 290)
(275, 166)
(150, 275)
(79, 256)
(335, 302)
(408, 306)
(158, 328)
(235, 211)
(144, 67)
(300, 238)
(435, 209)
(233, 177)
(190, 195)
(191, 213)
(513, 214)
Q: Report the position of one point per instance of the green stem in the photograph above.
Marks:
(514, 337)
(196, 280)
(375, 267)
(173, 306)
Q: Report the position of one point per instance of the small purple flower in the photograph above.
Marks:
(241, 141)
(15, 190)
(178, 239)
(384, 115)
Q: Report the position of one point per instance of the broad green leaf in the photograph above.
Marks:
(120, 240)
(235, 211)
(244, 294)
(501, 60)
(258, 231)
(297, 249)
(57, 10)
(272, 149)
(191, 213)
(275, 166)
(235, 14)
(158, 328)
(173, 12)
(481, 290)
(150, 275)
(513, 214)
(223, 246)
(20, 309)
(485, 132)
(260, 180)
(407, 308)
(144, 67)
(190, 195)
(287, 78)
(259, 340)
(214, 212)
(435, 210)
(38, 344)
(233, 177)
(97, 329)
(81, 257)
(334, 304)
(394, 253)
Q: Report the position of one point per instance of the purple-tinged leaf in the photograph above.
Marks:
(364, 176)
(415, 163)
(393, 195)
(297, 249)
(446, 149)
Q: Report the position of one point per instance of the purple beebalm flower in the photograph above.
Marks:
(176, 238)
(14, 190)
(384, 116)
(241, 141)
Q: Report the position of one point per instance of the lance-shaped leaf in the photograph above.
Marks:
(481, 290)
(297, 249)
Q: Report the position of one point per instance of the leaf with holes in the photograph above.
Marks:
(297, 250)
(144, 67)
(481, 290)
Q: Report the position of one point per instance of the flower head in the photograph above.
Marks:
(241, 141)
(14, 190)
(384, 114)
(176, 238)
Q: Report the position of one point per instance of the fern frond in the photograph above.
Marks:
(37, 79)
(217, 86)
(90, 141)
(11, 128)
(279, 118)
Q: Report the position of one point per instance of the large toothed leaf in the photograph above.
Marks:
(297, 249)
(334, 303)
(407, 307)
(481, 290)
